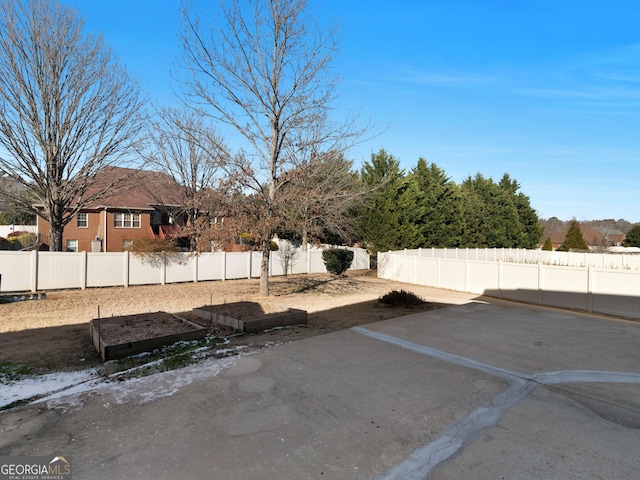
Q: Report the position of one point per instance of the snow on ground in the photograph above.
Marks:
(42, 385)
(70, 389)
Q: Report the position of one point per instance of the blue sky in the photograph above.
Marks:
(546, 90)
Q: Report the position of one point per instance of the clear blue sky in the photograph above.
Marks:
(545, 90)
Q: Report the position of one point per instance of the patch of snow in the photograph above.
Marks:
(70, 389)
(27, 388)
(138, 390)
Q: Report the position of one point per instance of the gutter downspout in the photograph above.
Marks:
(104, 229)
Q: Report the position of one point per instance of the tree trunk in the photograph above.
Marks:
(264, 270)
(305, 239)
(55, 237)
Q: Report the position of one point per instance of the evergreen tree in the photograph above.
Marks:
(441, 222)
(530, 229)
(497, 214)
(632, 238)
(490, 213)
(548, 245)
(574, 239)
(387, 219)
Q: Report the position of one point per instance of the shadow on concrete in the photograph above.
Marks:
(625, 306)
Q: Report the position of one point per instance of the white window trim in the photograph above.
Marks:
(128, 220)
(86, 220)
(69, 242)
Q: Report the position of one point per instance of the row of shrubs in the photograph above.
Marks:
(18, 241)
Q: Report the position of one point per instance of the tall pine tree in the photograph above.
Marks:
(441, 222)
(387, 221)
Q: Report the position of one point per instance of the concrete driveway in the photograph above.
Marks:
(478, 391)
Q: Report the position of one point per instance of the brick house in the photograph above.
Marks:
(138, 208)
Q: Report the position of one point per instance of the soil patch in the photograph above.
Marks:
(132, 328)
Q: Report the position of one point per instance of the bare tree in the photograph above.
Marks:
(184, 148)
(67, 109)
(323, 192)
(263, 69)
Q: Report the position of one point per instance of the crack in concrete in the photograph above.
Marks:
(423, 461)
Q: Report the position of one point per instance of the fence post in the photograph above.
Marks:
(83, 270)
(34, 271)
(466, 273)
(540, 280)
(589, 288)
(163, 269)
(196, 258)
(223, 271)
(126, 269)
(249, 260)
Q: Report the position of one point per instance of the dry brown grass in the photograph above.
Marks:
(52, 334)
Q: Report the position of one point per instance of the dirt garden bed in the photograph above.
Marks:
(122, 336)
(249, 317)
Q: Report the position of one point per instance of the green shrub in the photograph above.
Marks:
(337, 260)
(401, 298)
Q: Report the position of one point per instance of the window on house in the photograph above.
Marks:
(216, 221)
(126, 220)
(83, 220)
(72, 245)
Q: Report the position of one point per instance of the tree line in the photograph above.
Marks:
(425, 208)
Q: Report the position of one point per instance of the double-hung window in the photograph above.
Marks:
(126, 220)
(83, 220)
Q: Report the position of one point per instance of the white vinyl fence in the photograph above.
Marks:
(36, 271)
(614, 291)
(624, 261)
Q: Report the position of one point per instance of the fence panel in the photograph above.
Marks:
(425, 271)
(236, 265)
(616, 292)
(299, 262)
(482, 276)
(17, 271)
(453, 274)
(105, 269)
(60, 270)
(520, 282)
(180, 268)
(276, 268)
(146, 270)
(210, 266)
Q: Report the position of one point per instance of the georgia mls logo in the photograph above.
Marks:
(59, 466)
(35, 468)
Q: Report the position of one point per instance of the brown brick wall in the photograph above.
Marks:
(114, 236)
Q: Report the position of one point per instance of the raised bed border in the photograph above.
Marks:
(121, 350)
(292, 316)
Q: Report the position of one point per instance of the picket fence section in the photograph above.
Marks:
(614, 291)
(623, 261)
(36, 271)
